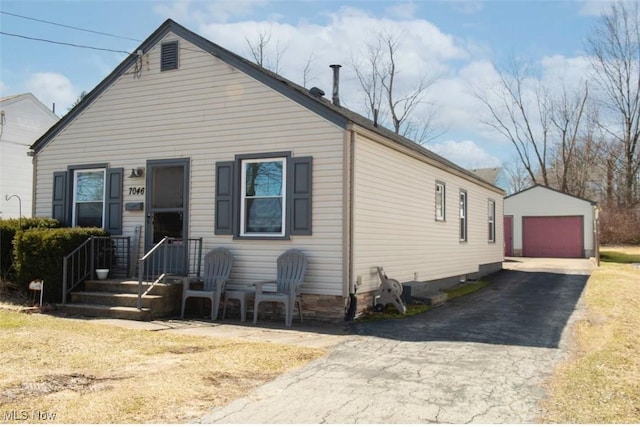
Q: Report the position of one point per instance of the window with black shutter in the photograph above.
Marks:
(263, 196)
(89, 196)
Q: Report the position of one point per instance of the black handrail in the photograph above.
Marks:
(97, 252)
(169, 257)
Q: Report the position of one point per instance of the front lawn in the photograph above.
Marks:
(82, 372)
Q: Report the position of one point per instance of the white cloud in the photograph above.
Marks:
(424, 50)
(187, 11)
(468, 6)
(594, 7)
(405, 10)
(52, 88)
(464, 153)
(560, 70)
(179, 10)
(3, 88)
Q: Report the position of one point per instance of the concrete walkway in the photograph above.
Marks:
(309, 334)
(480, 358)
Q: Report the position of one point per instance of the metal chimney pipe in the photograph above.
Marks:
(336, 84)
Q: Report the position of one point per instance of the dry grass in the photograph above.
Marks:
(601, 382)
(90, 373)
(631, 250)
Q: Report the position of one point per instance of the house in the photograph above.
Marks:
(23, 119)
(189, 140)
(543, 222)
(495, 176)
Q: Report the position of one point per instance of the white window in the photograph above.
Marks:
(463, 216)
(492, 221)
(262, 207)
(440, 201)
(88, 197)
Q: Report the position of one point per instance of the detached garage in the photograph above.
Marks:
(546, 223)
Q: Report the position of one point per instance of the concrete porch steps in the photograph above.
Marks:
(118, 299)
(112, 312)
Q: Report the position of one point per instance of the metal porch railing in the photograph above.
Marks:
(169, 257)
(110, 252)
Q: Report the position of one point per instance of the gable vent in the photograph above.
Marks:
(169, 56)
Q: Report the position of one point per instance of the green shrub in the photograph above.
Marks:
(39, 254)
(8, 229)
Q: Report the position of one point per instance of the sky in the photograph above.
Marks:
(456, 45)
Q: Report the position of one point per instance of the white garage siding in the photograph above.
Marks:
(208, 111)
(394, 222)
(539, 201)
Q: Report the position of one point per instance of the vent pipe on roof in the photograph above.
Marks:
(336, 84)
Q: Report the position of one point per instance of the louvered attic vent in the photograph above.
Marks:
(169, 56)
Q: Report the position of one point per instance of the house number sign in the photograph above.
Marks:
(136, 191)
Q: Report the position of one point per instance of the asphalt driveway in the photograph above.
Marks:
(481, 358)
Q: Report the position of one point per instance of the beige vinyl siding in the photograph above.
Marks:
(394, 219)
(208, 111)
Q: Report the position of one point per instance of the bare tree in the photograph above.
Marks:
(567, 117)
(517, 176)
(78, 99)
(306, 72)
(378, 76)
(520, 110)
(614, 48)
(368, 72)
(262, 53)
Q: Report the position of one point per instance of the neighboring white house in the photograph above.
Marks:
(187, 139)
(23, 119)
(542, 222)
(495, 176)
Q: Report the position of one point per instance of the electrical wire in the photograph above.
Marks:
(64, 43)
(68, 26)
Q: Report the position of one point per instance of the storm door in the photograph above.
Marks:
(167, 208)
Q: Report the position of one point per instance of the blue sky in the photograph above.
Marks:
(455, 43)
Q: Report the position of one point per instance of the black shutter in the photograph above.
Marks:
(113, 201)
(299, 185)
(224, 215)
(59, 207)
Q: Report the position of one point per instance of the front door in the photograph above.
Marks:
(167, 209)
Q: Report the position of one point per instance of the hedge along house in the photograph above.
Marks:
(190, 140)
(543, 222)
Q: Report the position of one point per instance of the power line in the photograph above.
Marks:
(63, 43)
(68, 26)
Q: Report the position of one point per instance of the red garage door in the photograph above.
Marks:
(552, 237)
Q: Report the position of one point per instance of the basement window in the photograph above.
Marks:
(169, 56)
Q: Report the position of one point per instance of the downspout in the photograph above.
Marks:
(34, 175)
(352, 306)
(596, 233)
